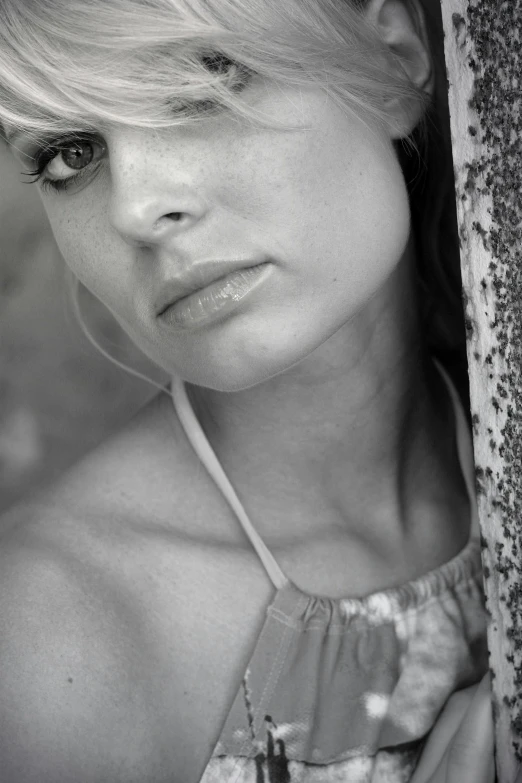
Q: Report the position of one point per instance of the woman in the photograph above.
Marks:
(230, 180)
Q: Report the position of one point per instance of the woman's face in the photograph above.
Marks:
(158, 214)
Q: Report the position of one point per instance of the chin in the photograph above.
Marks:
(229, 371)
(239, 356)
(233, 376)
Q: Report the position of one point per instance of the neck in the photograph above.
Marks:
(352, 436)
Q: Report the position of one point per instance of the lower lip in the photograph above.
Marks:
(216, 300)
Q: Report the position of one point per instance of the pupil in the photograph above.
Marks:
(76, 156)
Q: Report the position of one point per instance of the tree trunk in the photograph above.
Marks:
(483, 41)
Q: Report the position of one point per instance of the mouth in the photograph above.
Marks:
(221, 292)
(197, 279)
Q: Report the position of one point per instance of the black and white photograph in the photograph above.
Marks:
(260, 391)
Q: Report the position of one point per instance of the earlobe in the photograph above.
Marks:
(401, 24)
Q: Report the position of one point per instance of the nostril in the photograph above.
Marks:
(166, 221)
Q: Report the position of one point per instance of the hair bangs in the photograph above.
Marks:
(67, 65)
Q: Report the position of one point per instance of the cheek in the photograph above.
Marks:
(86, 251)
(378, 224)
(350, 220)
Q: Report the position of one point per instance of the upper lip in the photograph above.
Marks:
(199, 276)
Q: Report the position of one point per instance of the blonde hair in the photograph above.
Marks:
(67, 64)
(71, 65)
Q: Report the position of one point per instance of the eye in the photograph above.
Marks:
(219, 63)
(75, 155)
(63, 161)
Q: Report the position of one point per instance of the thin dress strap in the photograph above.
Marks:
(203, 449)
(205, 452)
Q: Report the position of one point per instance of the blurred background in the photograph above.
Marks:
(59, 397)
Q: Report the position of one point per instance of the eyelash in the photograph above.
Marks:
(44, 156)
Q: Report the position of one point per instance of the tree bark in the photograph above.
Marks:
(483, 42)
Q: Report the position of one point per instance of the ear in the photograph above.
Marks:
(401, 24)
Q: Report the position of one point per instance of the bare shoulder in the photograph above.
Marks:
(61, 675)
(75, 703)
(109, 583)
(143, 466)
(144, 470)
(84, 688)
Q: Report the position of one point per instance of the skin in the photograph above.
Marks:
(325, 358)
(281, 196)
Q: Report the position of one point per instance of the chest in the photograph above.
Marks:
(189, 617)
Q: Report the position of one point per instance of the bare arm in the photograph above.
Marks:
(66, 710)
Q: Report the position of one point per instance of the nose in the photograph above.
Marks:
(150, 204)
(146, 219)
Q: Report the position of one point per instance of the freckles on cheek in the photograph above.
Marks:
(79, 225)
(87, 261)
(74, 253)
(77, 235)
